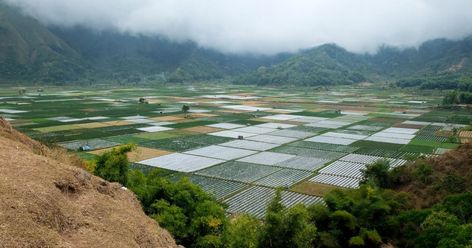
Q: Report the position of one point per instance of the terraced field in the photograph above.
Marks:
(240, 143)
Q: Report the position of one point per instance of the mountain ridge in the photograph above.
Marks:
(32, 52)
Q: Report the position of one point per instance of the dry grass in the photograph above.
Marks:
(169, 118)
(141, 153)
(232, 111)
(444, 133)
(61, 154)
(202, 115)
(91, 125)
(253, 103)
(116, 123)
(47, 203)
(202, 129)
(56, 128)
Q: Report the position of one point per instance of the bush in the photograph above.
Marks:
(194, 218)
(113, 165)
(244, 231)
(453, 183)
(423, 173)
(377, 173)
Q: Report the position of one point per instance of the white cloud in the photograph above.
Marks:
(267, 26)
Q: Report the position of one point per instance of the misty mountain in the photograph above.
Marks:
(32, 52)
(115, 55)
(28, 50)
(331, 64)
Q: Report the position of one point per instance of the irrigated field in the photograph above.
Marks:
(239, 143)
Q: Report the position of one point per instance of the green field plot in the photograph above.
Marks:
(324, 146)
(239, 171)
(381, 120)
(191, 124)
(246, 122)
(351, 131)
(460, 116)
(241, 118)
(146, 169)
(429, 134)
(376, 145)
(308, 129)
(180, 144)
(283, 178)
(86, 156)
(307, 152)
(94, 144)
(418, 148)
(434, 144)
(127, 139)
(218, 188)
(326, 113)
(380, 152)
(420, 142)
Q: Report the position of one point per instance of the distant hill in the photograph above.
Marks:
(31, 52)
(435, 57)
(324, 65)
(133, 58)
(331, 64)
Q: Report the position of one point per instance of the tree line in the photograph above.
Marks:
(371, 216)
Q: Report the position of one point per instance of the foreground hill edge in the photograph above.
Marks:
(48, 203)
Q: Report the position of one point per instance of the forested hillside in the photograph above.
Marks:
(31, 52)
(436, 60)
(324, 65)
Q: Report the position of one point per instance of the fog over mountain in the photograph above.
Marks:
(265, 26)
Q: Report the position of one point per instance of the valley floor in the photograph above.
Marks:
(239, 143)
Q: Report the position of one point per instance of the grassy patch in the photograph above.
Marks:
(191, 124)
(376, 145)
(326, 113)
(418, 149)
(310, 188)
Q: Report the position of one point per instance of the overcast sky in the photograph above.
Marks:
(267, 26)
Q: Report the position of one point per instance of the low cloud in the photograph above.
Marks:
(266, 26)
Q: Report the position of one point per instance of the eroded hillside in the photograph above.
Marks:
(48, 203)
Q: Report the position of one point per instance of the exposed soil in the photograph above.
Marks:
(46, 202)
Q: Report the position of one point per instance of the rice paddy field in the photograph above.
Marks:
(240, 143)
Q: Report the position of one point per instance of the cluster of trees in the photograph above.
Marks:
(370, 216)
(451, 82)
(456, 97)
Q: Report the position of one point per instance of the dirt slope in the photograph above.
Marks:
(47, 203)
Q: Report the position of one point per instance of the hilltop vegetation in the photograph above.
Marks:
(325, 65)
